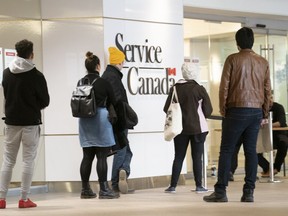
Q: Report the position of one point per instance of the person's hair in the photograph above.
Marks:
(24, 48)
(245, 38)
(91, 62)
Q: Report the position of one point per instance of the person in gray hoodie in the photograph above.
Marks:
(26, 94)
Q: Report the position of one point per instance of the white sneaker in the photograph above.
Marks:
(123, 185)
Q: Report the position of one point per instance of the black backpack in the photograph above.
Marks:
(83, 103)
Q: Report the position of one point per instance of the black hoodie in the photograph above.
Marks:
(25, 93)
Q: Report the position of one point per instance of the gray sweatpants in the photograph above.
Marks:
(14, 135)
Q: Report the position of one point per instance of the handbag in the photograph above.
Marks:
(173, 121)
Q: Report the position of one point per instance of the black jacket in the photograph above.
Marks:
(195, 106)
(114, 77)
(25, 92)
(104, 94)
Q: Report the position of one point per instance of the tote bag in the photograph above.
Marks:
(173, 121)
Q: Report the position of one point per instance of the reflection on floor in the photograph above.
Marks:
(270, 199)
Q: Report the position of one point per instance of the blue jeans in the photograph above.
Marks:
(121, 160)
(237, 122)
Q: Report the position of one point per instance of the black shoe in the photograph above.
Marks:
(116, 190)
(170, 190)
(215, 197)
(87, 194)
(247, 195)
(105, 192)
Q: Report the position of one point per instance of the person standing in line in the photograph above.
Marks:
(196, 107)
(280, 141)
(244, 101)
(122, 159)
(96, 133)
(26, 94)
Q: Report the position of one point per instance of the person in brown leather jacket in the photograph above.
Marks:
(244, 100)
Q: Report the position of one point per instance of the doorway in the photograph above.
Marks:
(210, 43)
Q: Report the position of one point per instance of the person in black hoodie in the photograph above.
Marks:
(26, 94)
(121, 160)
(196, 107)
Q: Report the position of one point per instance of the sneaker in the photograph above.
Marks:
(215, 197)
(123, 185)
(247, 196)
(170, 190)
(26, 204)
(2, 203)
(87, 194)
(201, 190)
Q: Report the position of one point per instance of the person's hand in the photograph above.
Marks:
(264, 121)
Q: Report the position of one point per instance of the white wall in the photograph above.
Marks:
(65, 42)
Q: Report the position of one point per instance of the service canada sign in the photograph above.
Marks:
(145, 74)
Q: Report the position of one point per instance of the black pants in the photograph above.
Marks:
(181, 143)
(280, 142)
(101, 165)
(234, 160)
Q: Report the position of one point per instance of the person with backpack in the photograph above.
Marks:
(96, 133)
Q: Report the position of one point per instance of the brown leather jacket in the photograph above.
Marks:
(245, 82)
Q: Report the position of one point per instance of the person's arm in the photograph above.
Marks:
(206, 104)
(224, 87)
(267, 94)
(42, 92)
(279, 116)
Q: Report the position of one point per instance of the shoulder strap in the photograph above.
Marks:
(175, 94)
(94, 80)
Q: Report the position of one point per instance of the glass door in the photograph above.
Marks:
(210, 43)
(272, 45)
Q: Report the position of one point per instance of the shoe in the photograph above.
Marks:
(2, 203)
(105, 191)
(201, 190)
(215, 197)
(231, 177)
(123, 185)
(130, 190)
(87, 194)
(116, 191)
(267, 174)
(247, 195)
(170, 190)
(26, 204)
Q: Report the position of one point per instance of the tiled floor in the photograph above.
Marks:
(271, 199)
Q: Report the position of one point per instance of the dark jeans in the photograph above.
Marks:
(101, 164)
(181, 143)
(280, 142)
(237, 122)
(234, 160)
(121, 160)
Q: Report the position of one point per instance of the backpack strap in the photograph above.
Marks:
(82, 81)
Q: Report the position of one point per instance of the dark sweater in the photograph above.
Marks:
(26, 93)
